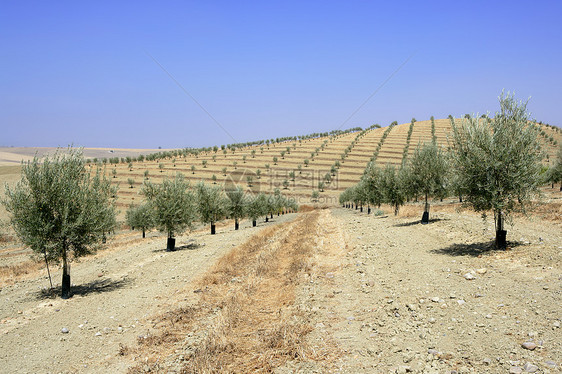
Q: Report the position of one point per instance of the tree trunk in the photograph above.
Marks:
(425, 216)
(361, 208)
(171, 244)
(368, 210)
(501, 234)
(65, 287)
(266, 219)
(48, 271)
(143, 233)
(271, 215)
(213, 231)
(236, 224)
(396, 208)
(254, 223)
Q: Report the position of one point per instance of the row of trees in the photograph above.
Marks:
(493, 163)
(196, 151)
(173, 206)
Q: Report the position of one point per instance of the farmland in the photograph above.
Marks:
(327, 289)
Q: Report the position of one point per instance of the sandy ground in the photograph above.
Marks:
(115, 294)
(387, 293)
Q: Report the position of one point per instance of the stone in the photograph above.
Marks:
(556, 324)
(64, 330)
(529, 345)
(435, 299)
(481, 271)
(98, 333)
(515, 370)
(469, 276)
(486, 361)
(551, 364)
(530, 368)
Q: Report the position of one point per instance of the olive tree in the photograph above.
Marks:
(141, 217)
(257, 206)
(555, 172)
(173, 204)
(60, 210)
(392, 187)
(236, 205)
(210, 204)
(427, 174)
(497, 161)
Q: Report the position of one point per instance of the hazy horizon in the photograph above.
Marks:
(176, 75)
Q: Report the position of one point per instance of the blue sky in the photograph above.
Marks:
(81, 73)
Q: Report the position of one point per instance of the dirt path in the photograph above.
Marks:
(332, 291)
(399, 300)
(115, 293)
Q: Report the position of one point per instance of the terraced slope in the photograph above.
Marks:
(258, 164)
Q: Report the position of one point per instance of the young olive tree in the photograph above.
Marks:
(141, 217)
(498, 162)
(427, 174)
(60, 210)
(237, 205)
(210, 204)
(392, 187)
(555, 172)
(257, 206)
(173, 205)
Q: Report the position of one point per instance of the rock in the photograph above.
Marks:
(530, 368)
(486, 361)
(489, 316)
(64, 330)
(481, 271)
(469, 276)
(461, 302)
(551, 364)
(556, 324)
(435, 299)
(529, 345)
(515, 370)
(98, 333)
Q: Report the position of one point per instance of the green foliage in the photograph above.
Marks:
(211, 204)
(392, 187)
(141, 217)
(315, 195)
(58, 208)
(173, 204)
(257, 206)
(498, 160)
(554, 174)
(146, 174)
(131, 182)
(237, 203)
(428, 171)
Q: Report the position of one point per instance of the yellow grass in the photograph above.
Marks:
(256, 327)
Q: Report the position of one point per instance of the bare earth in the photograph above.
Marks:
(379, 295)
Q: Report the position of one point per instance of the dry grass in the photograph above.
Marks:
(245, 319)
(10, 274)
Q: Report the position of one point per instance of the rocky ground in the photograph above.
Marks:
(432, 298)
(384, 294)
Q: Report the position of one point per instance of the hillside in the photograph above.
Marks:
(235, 166)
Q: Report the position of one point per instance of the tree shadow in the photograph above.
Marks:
(96, 286)
(418, 222)
(475, 249)
(188, 246)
